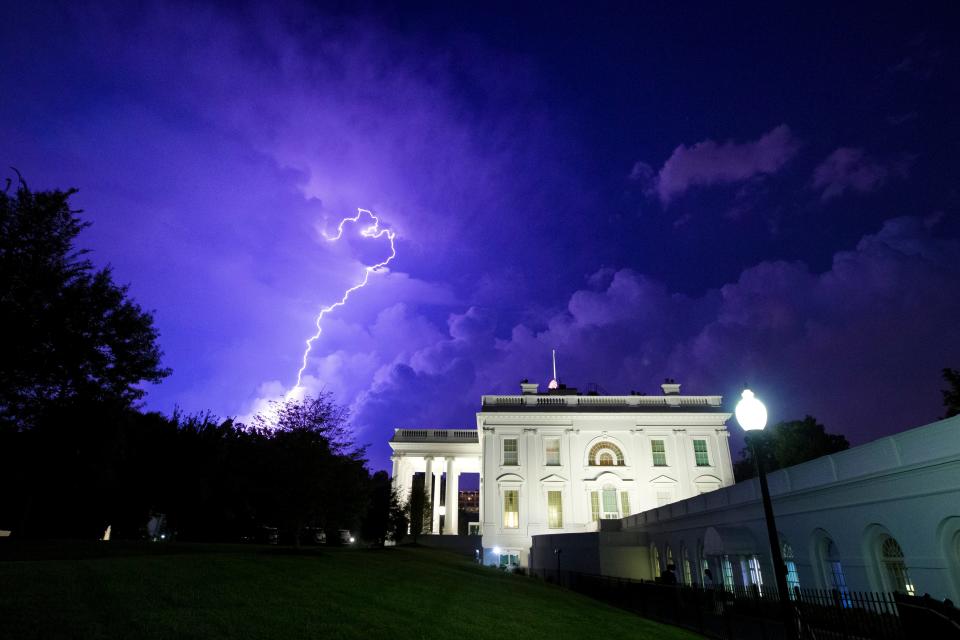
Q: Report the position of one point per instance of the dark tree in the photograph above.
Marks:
(418, 509)
(382, 509)
(399, 521)
(786, 444)
(70, 333)
(951, 395)
(317, 476)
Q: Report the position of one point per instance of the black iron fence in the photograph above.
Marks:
(748, 613)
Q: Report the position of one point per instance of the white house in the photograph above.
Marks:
(561, 461)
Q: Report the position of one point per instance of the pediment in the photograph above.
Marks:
(608, 476)
(708, 479)
(509, 477)
(663, 480)
(553, 478)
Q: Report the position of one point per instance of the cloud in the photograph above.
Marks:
(710, 163)
(851, 169)
(859, 345)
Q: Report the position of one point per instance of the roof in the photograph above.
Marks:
(541, 403)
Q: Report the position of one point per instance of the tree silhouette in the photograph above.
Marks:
(70, 333)
(786, 444)
(951, 395)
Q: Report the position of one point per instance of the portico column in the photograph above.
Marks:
(428, 485)
(393, 475)
(435, 520)
(453, 498)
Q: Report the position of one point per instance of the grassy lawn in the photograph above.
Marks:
(199, 591)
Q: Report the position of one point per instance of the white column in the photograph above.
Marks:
(428, 484)
(480, 502)
(435, 524)
(395, 481)
(453, 498)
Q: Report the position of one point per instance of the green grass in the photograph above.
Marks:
(198, 591)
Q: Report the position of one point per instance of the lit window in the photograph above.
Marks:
(756, 578)
(659, 453)
(594, 506)
(510, 458)
(793, 578)
(687, 574)
(834, 570)
(552, 451)
(727, 573)
(656, 561)
(625, 503)
(664, 497)
(511, 509)
(554, 510)
(610, 504)
(896, 568)
(605, 454)
(509, 559)
(700, 452)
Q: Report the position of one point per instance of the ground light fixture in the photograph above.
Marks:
(752, 416)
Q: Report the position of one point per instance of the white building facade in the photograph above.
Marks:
(560, 462)
(881, 517)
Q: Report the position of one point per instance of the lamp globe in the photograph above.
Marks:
(751, 414)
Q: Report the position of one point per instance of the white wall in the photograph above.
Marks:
(906, 486)
(575, 478)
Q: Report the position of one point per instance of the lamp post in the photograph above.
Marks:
(752, 416)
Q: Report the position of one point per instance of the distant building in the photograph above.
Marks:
(561, 461)
(470, 502)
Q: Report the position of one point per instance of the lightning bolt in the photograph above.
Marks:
(373, 230)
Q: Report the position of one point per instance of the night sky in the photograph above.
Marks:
(762, 195)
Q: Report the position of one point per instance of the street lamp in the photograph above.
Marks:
(752, 416)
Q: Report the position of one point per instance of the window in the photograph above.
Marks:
(687, 575)
(605, 454)
(510, 458)
(727, 573)
(552, 455)
(594, 506)
(753, 569)
(833, 570)
(511, 509)
(610, 503)
(891, 556)
(554, 509)
(700, 453)
(656, 561)
(509, 559)
(664, 497)
(793, 578)
(625, 503)
(659, 453)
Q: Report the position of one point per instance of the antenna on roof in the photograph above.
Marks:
(553, 383)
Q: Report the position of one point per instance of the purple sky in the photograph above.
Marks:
(629, 188)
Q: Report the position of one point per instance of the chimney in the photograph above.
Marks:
(529, 388)
(670, 387)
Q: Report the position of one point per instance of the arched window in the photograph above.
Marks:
(605, 454)
(793, 578)
(655, 552)
(670, 563)
(894, 567)
(832, 568)
(687, 573)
